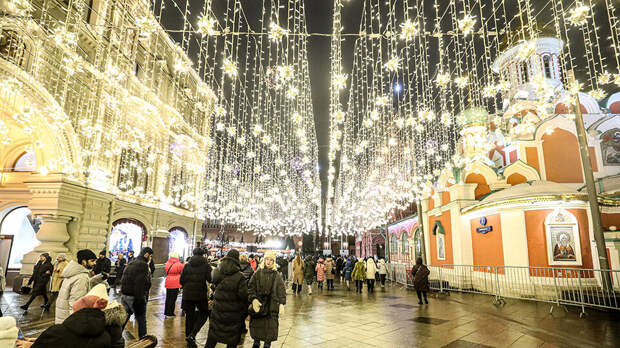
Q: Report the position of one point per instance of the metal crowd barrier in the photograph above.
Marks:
(593, 288)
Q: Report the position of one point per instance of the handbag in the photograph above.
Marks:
(266, 302)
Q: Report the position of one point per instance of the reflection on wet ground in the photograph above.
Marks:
(390, 317)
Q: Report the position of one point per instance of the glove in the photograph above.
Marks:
(281, 309)
(256, 305)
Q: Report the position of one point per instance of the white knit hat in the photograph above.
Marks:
(270, 254)
(101, 291)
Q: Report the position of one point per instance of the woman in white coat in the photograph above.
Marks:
(382, 269)
(371, 269)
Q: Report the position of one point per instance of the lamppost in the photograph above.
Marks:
(588, 175)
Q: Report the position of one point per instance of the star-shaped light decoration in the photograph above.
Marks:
(230, 68)
(466, 24)
(339, 81)
(442, 79)
(580, 14)
(408, 30)
(276, 32)
(393, 64)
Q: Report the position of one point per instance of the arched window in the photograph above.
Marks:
(178, 241)
(27, 162)
(525, 73)
(126, 236)
(547, 66)
(12, 47)
(405, 240)
(20, 224)
(393, 244)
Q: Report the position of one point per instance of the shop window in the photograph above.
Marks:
(178, 242)
(20, 224)
(12, 47)
(126, 236)
(418, 244)
(393, 245)
(27, 162)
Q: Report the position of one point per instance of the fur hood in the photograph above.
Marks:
(115, 316)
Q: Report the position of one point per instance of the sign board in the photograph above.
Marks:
(327, 251)
(344, 252)
(485, 229)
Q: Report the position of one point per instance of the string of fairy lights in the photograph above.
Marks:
(214, 116)
(425, 102)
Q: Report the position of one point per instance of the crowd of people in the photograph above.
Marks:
(237, 295)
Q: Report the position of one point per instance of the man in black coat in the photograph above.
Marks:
(135, 285)
(103, 265)
(41, 275)
(230, 303)
(195, 301)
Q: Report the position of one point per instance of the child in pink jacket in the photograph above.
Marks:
(320, 273)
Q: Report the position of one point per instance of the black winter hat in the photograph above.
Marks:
(146, 250)
(102, 252)
(85, 254)
(233, 254)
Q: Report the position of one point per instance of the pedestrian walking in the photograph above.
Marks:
(103, 265)
(347, 270)
(382, 269)
(130, 257)
(173, 269)
(59, 266)
(246, 268)
(309, 273)
(371, 270)
(359, 275)
(252, 261)
(283, 267)
(320, 273)
(298, 273)
(230, 303)
(135, 285)
(339, 267)
(267, 294)
(195, 280)
(41, 275)
(420, 273)
(119, 268)
(77, 282)
(330, 272)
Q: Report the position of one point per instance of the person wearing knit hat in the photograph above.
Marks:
(59, 266)
(76, 283)
(8, 332)
(195, 278)
(267, 294)
(230, 303)
(103, 265)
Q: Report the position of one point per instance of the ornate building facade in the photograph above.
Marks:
(104, 125)
(521, 200)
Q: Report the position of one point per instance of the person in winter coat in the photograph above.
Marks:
(309, 273)
(135, 285)
(119, 268)
(347, 270)
(76, 283)
(266, 288)
(252, 261)
(230, 303)
(103, 265)
(246, 268)
(8, 332)
(330, 269)
(115, 314)
(382, 269)
(283, 267)
(320, 273)
(339, 267)
(359, 275)
(195, 301)
(371, 270)
(41, 275)
(173, 269)
(420, 273)
(59, 266)
(298, 274)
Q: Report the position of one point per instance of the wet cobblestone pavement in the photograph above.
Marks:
(390, 317)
